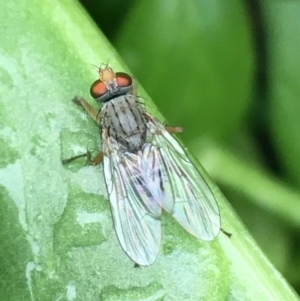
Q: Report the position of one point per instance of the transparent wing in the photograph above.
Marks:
(135, 212)
(187, 196)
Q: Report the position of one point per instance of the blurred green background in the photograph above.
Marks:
(228, 72)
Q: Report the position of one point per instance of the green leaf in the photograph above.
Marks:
(57, 236)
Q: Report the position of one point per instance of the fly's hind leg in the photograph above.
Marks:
(226, 233)
(174, 129)
(90, 110)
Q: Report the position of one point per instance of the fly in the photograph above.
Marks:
(146, 170)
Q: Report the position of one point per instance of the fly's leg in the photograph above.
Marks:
(226, 233)
(97, 160)
(87, 154)
(170, 129)
(90, 110)
(174, 129)
(96, 117)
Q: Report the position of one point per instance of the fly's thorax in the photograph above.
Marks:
(123, 118)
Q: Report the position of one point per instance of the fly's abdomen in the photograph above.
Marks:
(124, 119)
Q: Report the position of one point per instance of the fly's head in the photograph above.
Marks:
(110, 84)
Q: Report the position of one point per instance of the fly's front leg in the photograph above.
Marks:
(90, 110)
(174, 129)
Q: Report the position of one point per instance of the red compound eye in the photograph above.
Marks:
(123, 79)
(98, 89)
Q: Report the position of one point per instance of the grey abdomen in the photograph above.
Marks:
(124, 119)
